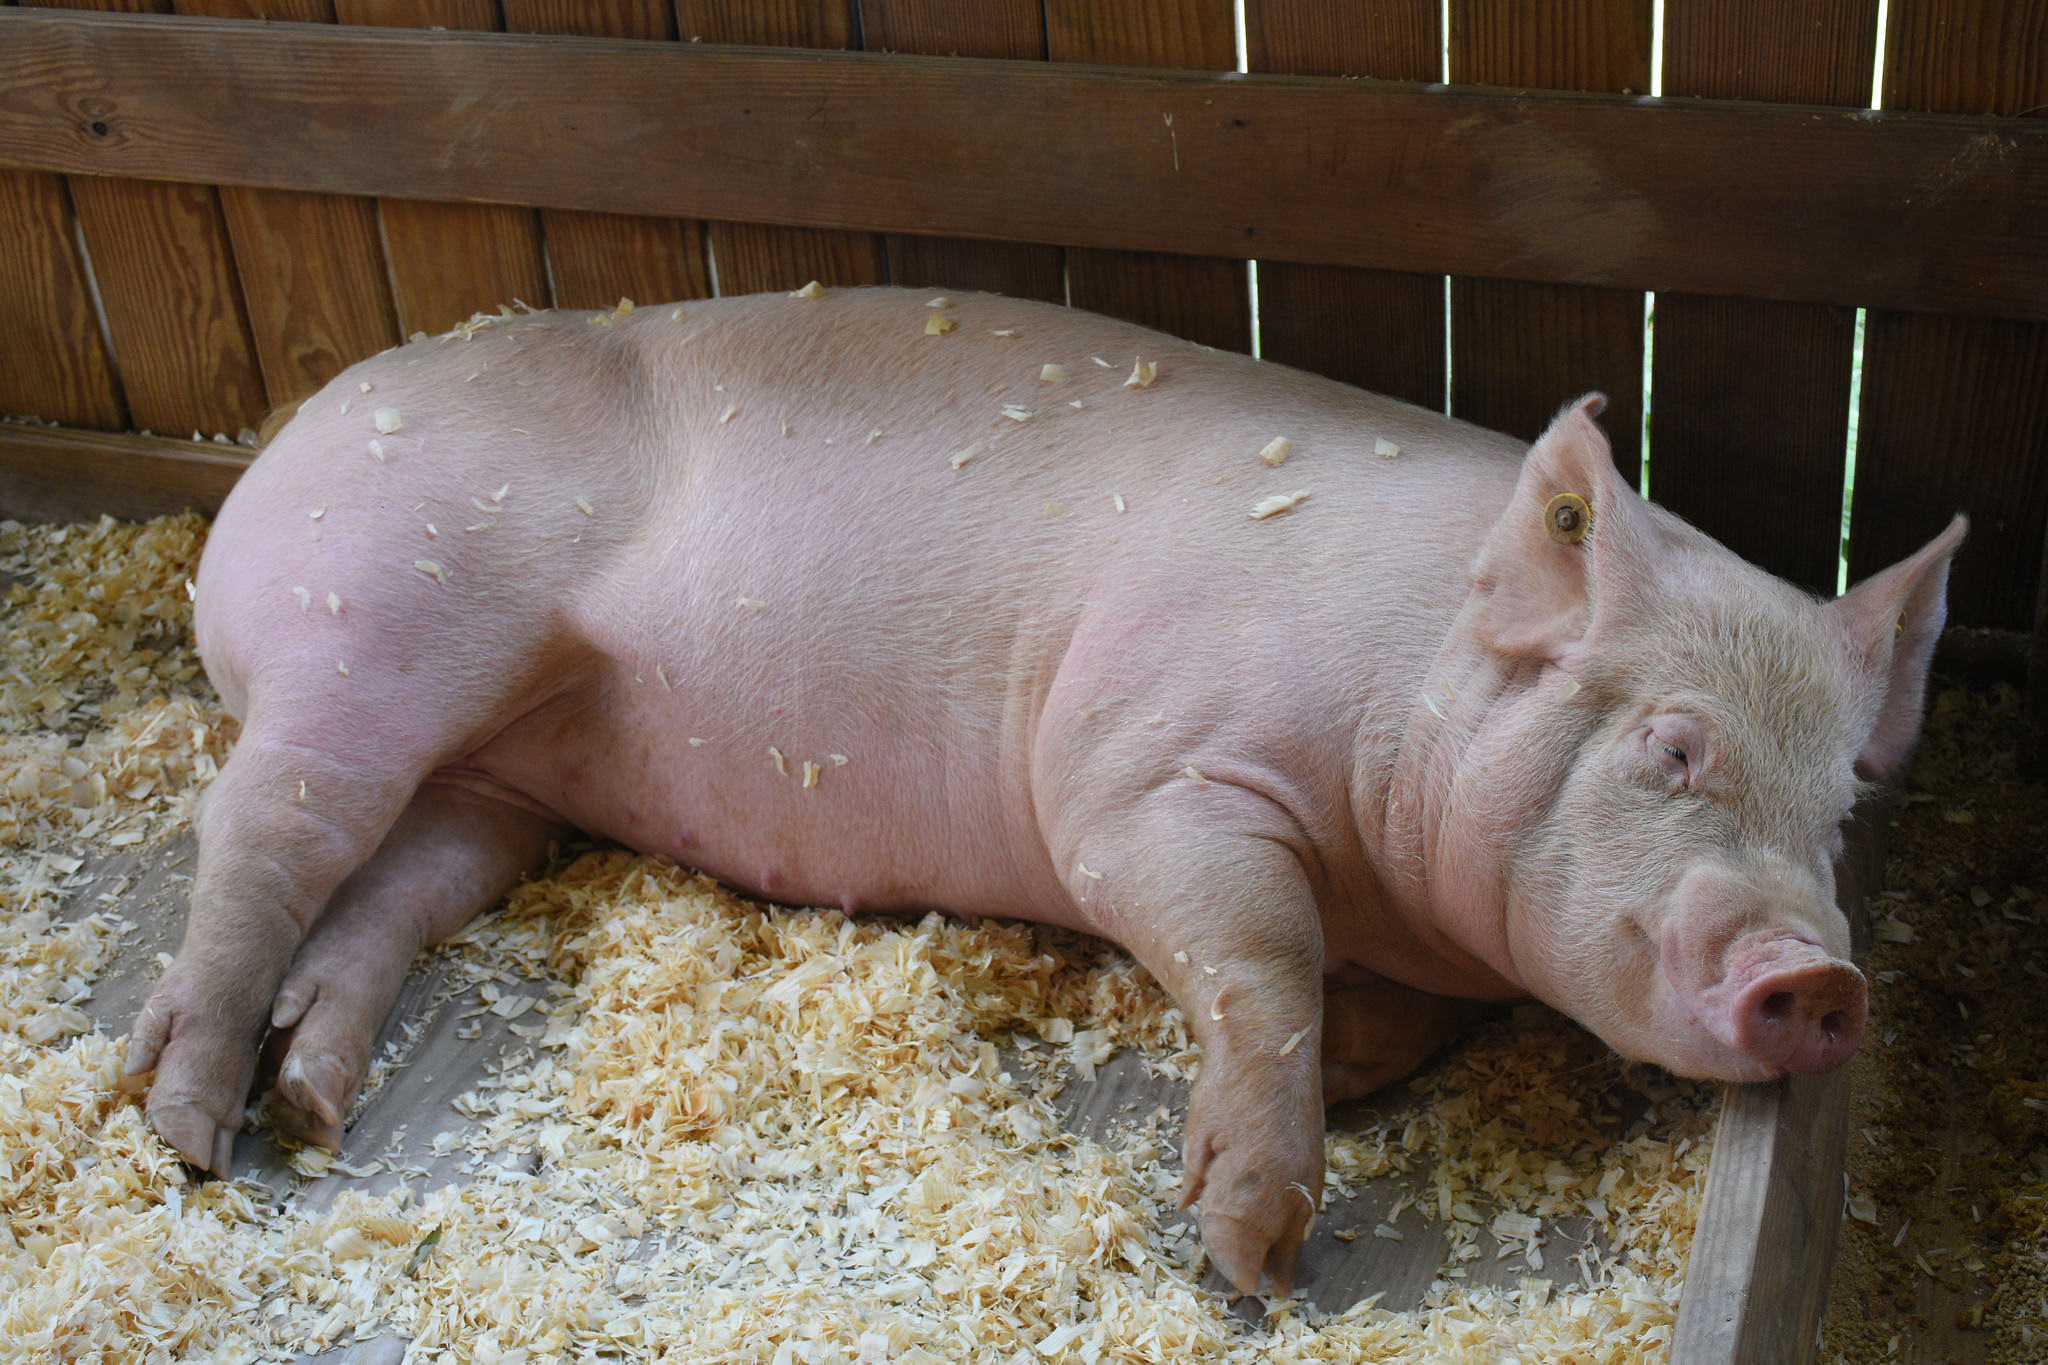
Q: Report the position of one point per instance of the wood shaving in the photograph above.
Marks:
(431, 570)
(813, 290)
(388, 420)
(1384, 448)
(1276, 451)
(1052, 374)
(1143, 373)
(1278, 503)
(938, 326)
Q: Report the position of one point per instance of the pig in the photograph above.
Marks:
(1337, 713)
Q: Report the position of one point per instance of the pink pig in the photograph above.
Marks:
(848, 607)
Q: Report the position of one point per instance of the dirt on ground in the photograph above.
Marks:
(1944, 1255)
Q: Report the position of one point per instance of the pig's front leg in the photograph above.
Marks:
(1203, 887)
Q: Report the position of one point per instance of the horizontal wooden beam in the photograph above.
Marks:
(1904, 211)
(59, 474)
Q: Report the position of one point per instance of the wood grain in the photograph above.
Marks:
(1520, 350)
(1701, 196)
(312, 271)
(58, 367)
(755, 256)
(448, 261)
(1756, 1279)
(1750, 401)
(311, 267)
(185, 354)
(1953, 409)
(1379, 329)
(828, 24)
(53, 474)
(984, 28)
(174, 309)
(1203, 299)
(596, 259)
(749, 255)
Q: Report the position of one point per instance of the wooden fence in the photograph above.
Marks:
(203, 216)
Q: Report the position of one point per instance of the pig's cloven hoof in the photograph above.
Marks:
(198, 1137)
(1241, 1248)
(202, 1075)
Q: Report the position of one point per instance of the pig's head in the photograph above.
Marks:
(1656, 774)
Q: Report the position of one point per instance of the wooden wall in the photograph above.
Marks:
(182, 253)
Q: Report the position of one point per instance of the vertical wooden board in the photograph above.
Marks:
(448, 261)
(954, 28)
(600, 258)
(650, 20)
(57, 366)
(1379, 329)
(1955, 419)
(1202, 298)
(1022, 270)
(1749, 401)
(747, 257)
(1955, 410)
(1205, 300)
(753, 257)
(769, 23)
(167, 282)
(185, 355)
(1749, 424)
(311, 266)
(1520, 350)
(312, 270)
(596, 259)
(965, 28)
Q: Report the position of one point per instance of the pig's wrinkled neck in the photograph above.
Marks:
(1480, 759)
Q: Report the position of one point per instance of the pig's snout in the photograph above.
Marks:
(1805, 1016)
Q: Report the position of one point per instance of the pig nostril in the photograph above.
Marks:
(1777, 1005)
(1834, 1024)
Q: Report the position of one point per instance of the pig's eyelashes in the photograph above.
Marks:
(1675, 750)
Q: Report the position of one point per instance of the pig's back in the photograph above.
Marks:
(804, 573)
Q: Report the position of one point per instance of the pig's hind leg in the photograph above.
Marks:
(451, 855)
(285, 822)
(1376, 1032)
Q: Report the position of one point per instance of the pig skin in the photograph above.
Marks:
(847, 611)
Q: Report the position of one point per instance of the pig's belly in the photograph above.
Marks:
(781, 803)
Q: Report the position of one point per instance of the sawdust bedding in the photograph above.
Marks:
(1944, 1256)
(726, 1131)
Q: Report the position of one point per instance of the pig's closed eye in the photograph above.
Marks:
(1676, 748)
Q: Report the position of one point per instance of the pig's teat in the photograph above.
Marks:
(1804, 1016)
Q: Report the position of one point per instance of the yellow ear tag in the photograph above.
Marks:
(1900, 628)
(1567, 518)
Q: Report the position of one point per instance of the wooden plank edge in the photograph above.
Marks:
(1562, 187)
(1763, 1250)
(62, 474)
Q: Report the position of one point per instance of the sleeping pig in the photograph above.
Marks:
(1337, 713)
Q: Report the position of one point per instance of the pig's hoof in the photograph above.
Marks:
(1242, 1247)
(312, 1099)
(198, 1138)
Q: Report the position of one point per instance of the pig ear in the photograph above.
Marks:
(1567, 547)
(1892, 621)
